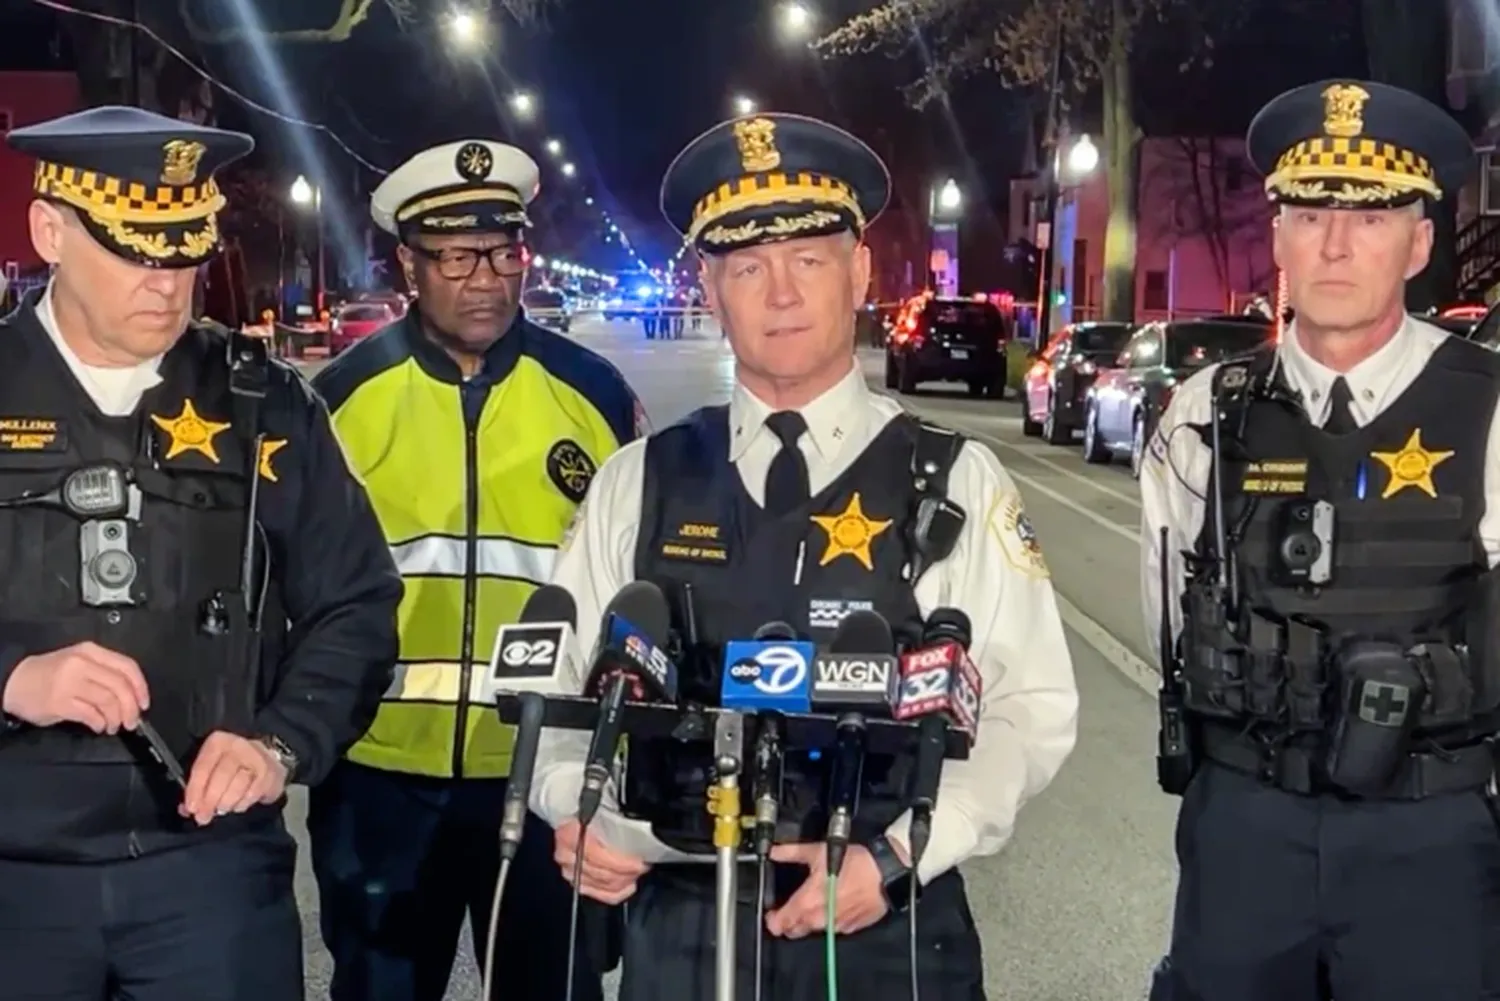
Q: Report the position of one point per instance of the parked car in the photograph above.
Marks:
(1128, 398)
(1055, 387)
(354, 321)
(549, 307)
(948, 340)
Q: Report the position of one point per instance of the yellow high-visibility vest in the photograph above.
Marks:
(474, 483)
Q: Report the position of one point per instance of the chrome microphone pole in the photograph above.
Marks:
(724, 804)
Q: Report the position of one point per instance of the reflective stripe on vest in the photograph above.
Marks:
(444, 556)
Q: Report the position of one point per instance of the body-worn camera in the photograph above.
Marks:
(1303, 543)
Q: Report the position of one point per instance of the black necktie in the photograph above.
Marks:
(1340, 417)
(786, 480)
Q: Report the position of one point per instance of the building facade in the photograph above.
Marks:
(1203, 239)
(26, 97)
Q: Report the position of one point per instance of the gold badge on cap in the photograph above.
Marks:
(1343, 110)
(474, 161)
(756, 138)
(180, 159)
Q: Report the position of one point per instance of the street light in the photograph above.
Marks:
(1080, 160)
(465, 29)
(523, 104)
(303, 193)
(796, 20)
(1083, 157)
(950, 199)
(743, 105)
(569, 170)
(554, 147)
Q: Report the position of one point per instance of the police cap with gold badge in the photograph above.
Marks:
(1356, 144)
(143, 184)
(471, 186)
(768, 177)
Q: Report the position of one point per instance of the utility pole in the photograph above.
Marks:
(1046, 228)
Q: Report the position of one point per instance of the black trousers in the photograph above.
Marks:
(213, 921)
(669, 947)
(402, 859)
(1306, 898)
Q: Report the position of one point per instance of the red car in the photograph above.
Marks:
(355, 322)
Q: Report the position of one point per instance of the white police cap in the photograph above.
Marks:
(471, 186)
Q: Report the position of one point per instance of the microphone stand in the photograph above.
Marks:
(724, 804)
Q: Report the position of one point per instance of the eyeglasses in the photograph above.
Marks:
(459, 263)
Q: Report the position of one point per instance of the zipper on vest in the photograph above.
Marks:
(471, 397)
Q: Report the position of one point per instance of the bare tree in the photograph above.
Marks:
(1215, 201)
(1086, 43)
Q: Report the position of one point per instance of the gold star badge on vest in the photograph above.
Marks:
(187, 432)
(1411, 466)
(268, 448)
(850, 533)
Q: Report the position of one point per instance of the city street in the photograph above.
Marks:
(1077, 907)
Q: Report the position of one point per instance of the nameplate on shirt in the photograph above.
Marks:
(1275, 476)
(33, 434)
(696, 542)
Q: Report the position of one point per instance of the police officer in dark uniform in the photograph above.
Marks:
(796, 503)
(1328, 510)
(199, 606)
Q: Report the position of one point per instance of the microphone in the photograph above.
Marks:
(771, 671)
(630, 663)
(940, 686)
(539, 647)
(528, 656)
(939, 677)
(859, 670)
(769, 675)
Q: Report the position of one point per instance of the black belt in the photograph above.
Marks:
(1298, 769)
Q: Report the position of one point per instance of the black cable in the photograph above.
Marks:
(487, 971)
(921, 836)
(583, 831)
(762, 874)
(911, 936)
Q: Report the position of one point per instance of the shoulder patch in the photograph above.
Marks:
(1018, 541)
(570, 469)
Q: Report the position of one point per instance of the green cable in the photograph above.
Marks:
(831, 937)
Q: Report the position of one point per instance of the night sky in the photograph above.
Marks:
(624, 84)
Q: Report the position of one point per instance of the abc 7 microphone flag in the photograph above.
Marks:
(762, 674)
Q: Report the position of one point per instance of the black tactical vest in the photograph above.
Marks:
(843, 551)
(183, 617)
(1408, 494)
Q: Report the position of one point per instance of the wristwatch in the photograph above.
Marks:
(282, 752)
(896, 878)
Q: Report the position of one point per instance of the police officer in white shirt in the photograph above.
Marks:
(796, 500)
(1332, 596)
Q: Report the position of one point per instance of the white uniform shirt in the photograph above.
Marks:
(1174, 477)
(115, 391)
(1029, 712)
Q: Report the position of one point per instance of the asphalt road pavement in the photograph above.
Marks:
(1077, 906)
